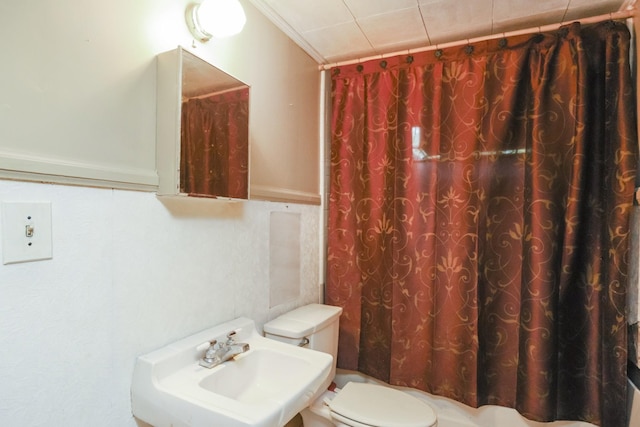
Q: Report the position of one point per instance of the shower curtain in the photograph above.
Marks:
(479, 220)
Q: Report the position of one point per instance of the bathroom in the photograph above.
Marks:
(129, 273)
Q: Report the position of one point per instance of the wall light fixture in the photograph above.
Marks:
(215, 18)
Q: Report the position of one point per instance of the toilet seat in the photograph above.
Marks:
(370, 405)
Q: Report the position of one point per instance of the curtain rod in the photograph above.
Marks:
(206, 95)
(622, 14)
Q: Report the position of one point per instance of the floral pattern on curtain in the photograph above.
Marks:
(479, 221)
(215, 145)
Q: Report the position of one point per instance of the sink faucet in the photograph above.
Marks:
(218, 353)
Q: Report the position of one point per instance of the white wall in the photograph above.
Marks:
(130, 272)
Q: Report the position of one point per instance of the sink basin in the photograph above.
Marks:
(257, 376)
(265, 386)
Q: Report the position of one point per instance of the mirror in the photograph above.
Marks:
(214, 139)
(211, 123)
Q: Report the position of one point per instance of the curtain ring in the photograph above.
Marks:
(438, 53)
(468, 49)
(383, 64)
(359, 68)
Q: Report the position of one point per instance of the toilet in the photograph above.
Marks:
(357, 404)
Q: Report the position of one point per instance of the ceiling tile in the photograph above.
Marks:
(453, 34)
(527, 22)
(523, 10)
(307, 15)
(448, 17)
(364, 8)
(343, 41)
(433, 6)
(602, 4)
(581, 8)
(411, 31)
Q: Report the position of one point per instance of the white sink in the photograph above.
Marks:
(265, 386)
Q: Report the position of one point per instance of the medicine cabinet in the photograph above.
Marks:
(202, 129)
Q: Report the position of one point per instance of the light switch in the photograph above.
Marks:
(26, 231)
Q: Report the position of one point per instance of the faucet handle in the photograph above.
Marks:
(230, 336)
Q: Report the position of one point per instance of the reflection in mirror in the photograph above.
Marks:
(214, 141)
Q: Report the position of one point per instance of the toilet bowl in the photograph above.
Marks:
(357, 404)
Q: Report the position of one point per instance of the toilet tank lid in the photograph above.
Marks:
(303, 321)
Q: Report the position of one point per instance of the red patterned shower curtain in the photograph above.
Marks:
(479, 221)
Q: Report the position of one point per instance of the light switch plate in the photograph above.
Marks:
(26, 231)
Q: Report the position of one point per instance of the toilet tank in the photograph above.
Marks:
(314, 326)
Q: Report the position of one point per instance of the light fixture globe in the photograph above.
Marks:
(215, 18)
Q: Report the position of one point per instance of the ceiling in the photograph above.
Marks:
(333, 31)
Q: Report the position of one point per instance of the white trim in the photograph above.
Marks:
(33, 168)
(275, 194)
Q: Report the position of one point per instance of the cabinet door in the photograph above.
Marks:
(202, 129)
